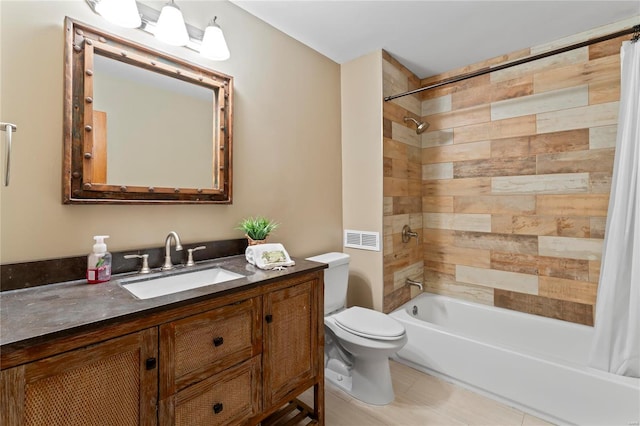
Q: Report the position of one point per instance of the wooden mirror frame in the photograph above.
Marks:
(81, 43)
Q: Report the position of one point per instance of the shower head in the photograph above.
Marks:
(421, 126)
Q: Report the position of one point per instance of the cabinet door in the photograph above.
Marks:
(290, 341)
(110, 383)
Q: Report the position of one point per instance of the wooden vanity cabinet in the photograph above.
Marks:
(232, 360)
(109, 383)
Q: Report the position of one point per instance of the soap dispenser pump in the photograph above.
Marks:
(99, 262)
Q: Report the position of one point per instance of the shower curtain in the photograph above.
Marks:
(616, 344)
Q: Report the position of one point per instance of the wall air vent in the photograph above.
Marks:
(363, 240)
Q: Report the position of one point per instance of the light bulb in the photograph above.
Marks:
(170, 28)
(123, 13)
(213, 44)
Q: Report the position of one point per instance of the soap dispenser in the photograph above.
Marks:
(99, 262)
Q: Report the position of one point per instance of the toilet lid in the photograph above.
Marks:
(369, 323)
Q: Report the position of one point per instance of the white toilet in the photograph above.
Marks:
(358, 341)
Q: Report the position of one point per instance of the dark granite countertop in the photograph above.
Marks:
(47, 311)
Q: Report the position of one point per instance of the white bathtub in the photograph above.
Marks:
(533, 363)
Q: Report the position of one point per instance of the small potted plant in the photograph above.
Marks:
(257, 229)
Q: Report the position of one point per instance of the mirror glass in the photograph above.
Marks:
(142, 126)
(159, 131)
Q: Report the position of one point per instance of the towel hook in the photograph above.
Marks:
(9, 128)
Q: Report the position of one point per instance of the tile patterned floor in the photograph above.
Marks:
(421, 400)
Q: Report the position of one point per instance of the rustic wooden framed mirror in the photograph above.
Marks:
(141, 126)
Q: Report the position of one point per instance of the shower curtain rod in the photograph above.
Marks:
(635, 30)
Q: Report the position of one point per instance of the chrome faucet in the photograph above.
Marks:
(407, 233)
(167, 250)
(418, 284)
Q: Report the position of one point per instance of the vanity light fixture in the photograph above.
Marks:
(214, 45)
(170, 27)
(123, 13)
(167, 25)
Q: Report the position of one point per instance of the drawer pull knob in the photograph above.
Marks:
(268, 318)
(217, 341)
(150, 363)
(217, 407)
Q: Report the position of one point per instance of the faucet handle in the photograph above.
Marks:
(145, 261)
(407, 233)
(190, 261)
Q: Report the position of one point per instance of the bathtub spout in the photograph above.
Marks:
(418, 284)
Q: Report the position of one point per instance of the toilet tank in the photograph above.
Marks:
(336, 280)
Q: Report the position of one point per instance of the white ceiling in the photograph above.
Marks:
(430, 37)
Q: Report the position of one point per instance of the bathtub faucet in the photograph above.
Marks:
(418, 284)
(407, 233)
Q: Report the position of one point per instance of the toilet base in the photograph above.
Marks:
(340, 380)
(370, 381)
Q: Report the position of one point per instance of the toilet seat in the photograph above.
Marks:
(369, 323)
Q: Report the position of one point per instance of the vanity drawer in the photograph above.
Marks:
(230, 397)
(196, 347)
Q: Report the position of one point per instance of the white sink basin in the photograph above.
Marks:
(148, 287)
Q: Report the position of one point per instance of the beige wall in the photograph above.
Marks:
(1, 69)
(362, 173)
(287, 150)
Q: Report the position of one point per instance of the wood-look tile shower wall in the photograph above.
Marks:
(402, 186)
(516, 174)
